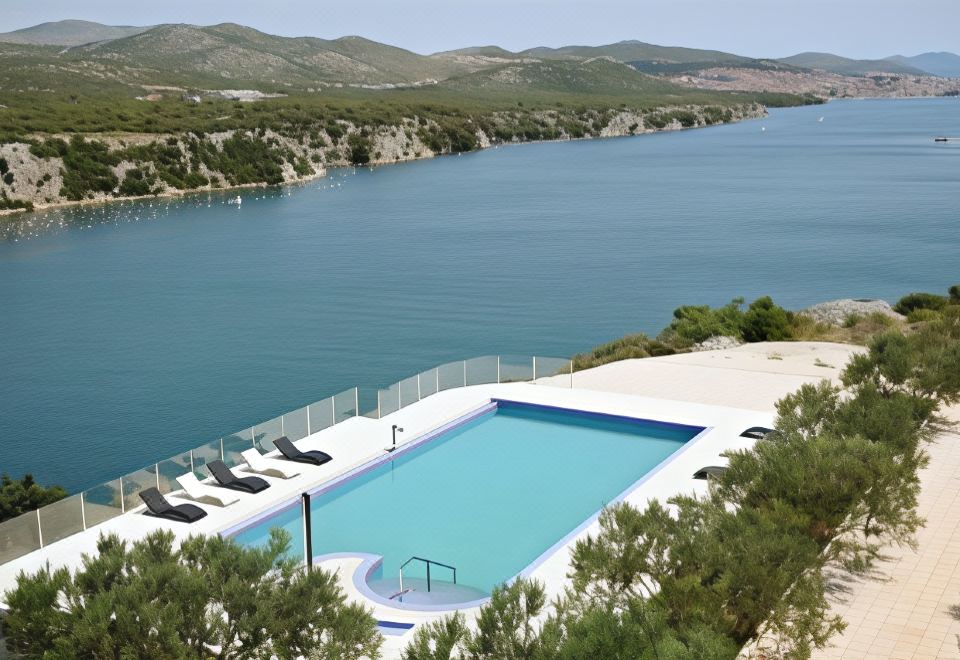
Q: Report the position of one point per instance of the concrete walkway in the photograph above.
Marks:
(907, 608)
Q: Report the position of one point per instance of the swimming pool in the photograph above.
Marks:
(488, 495)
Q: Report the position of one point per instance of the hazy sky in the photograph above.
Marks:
(772, 28)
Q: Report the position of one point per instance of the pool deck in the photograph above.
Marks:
(726, 390)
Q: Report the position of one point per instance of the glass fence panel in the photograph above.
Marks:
(556, 370)
(321, 415)
(389, 400)
(482, 370)
(134, 482)
(345, 405)
(515, 369)
(409, 391)
(429, 382)
(102, 502)
(264, 434)
(295, 424)
(233, 445)
(61, 519)
(170, 469)
(451, 375)
(203, 455)
(368, 402)
(18, 536)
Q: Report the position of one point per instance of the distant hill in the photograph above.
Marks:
(69, 33)
(846, 66)
(228, 55)
(630, 51)
(597, 76)
(939, 64)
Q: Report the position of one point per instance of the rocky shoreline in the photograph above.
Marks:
(37, 178)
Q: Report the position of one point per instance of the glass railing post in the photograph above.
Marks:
(309, 432)
(356, 401)
(39, 529)
(83, 511)
(379, 393)
(464, 373)
(221, 449)
(534, 368)
(123, 504)
(419, 390)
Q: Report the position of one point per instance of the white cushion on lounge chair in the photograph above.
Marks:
(256, 462)
(197, 490)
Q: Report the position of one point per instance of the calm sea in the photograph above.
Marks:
(128, 333)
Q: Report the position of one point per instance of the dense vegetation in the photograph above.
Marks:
(18, 496)
(762, 320)
(209, 598)
(749, 563)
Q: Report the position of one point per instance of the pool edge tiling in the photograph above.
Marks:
(654, 437)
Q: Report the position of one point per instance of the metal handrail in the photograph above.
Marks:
(427, 562)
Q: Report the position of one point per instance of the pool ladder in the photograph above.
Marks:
(428, 562)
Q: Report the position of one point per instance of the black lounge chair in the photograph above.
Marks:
(709, 472)
(226, 478)
(159, 507)
(290, 451)
(756, 432)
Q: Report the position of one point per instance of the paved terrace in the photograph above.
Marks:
(905, 616)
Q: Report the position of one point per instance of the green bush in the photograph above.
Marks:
(955, 294)
(765, 321)
(359, 146)
(625, 348)
(4, 166)
(153, 601)
(8, 178)
(693, 324)
(87, 169)
(137, 183)
(913, 301)
(922, 314)
(18, 496)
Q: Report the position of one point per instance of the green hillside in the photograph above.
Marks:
(846, 66)
(629, 51)
(69, 33)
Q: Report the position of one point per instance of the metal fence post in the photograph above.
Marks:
(39, 529)
(191, 461)
(83, 511)
(308, 421)
(156, 467)
(333, 410)
(123, 500)
(221, 449)
(356, 401)
(379, 414)
(419, 390)
(571, 374)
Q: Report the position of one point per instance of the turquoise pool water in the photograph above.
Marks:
(488, 497)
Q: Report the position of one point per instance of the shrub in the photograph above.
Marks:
(8, 178)
(922, 314)
(137, 183)
(18, 496)
(153, 601)
(913, 301)
(625, 348)
(4, 166)
(696, 323)
(359, 146)
(765, 321)
(955, 294)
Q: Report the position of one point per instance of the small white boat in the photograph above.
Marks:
(820, 120)
(236, 200)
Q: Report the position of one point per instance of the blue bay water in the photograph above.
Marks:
(487, 498)
(133, 332)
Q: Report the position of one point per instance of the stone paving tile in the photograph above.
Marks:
(908, 611)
